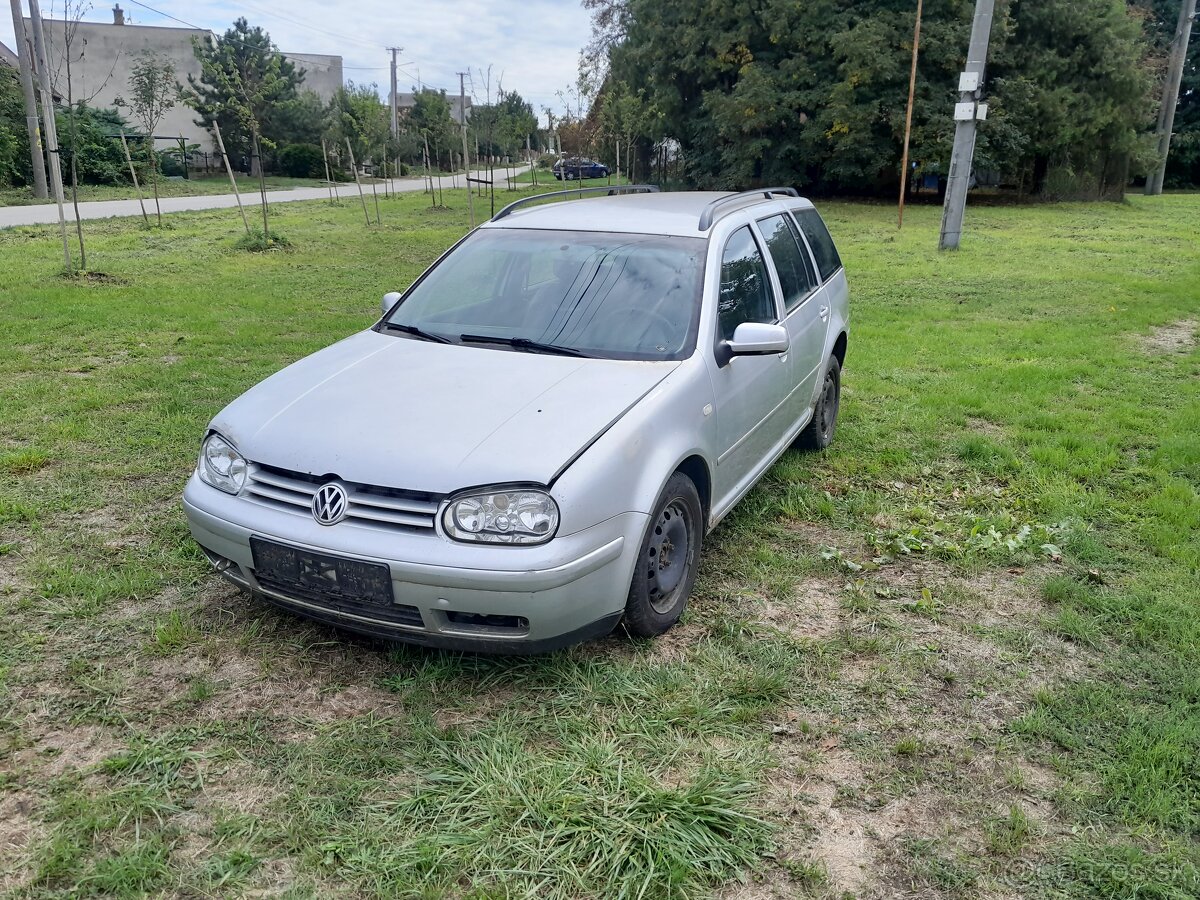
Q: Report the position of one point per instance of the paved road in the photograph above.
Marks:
(47, 213)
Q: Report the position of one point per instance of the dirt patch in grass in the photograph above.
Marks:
(813, 611)
(20, 832)
(60, 750)
(1178, 337)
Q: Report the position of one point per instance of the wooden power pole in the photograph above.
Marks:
(912, 89)
(967, 112)
(1166, 112)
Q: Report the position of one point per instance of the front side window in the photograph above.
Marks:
(617, 296)
(814, 229)
(746, 294)
(791, 260)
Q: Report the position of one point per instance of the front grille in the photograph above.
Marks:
(369, 505)
(396, 613)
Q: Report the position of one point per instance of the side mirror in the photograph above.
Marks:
(754, 339)
(389, 300)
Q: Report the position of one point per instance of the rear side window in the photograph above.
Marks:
(814, 229)
(746, 294)
(791, 260)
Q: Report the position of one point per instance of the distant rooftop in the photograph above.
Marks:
(7, 57)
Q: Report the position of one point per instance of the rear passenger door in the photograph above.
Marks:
(833, 296)
(800, 289)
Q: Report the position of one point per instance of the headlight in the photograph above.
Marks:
(519, 516)
(221, 465)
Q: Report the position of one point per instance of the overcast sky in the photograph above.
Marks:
(532, 44)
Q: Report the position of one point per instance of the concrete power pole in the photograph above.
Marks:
(462, 121)
(1166, 112)
(967, 112)
(48, 108)
(395, 98)
(25, 61)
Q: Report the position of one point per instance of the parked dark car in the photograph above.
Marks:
(574, 168)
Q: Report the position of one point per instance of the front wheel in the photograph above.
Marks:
(818, 434)
(667, 560)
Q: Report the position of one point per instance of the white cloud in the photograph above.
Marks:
(533, 46)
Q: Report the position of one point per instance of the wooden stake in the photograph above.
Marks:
(133, 174)
(375, 194)
(361, 195)
(232, 180)
(328, 178)
(912, 87)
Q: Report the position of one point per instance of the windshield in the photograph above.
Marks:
(619, 296)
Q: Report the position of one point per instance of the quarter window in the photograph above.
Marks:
(791, 262)
(745, 290)
(814, 229)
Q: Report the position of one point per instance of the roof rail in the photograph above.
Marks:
(578, 192)
(706, 217)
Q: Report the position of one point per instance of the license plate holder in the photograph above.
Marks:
(333, 577)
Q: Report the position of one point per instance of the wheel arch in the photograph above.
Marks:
(839, 348)
(696, 468)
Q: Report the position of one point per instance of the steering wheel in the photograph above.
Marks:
(657, 320)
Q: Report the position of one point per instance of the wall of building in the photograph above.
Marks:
(322, 73)
(103, 56)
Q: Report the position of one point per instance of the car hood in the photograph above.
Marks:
(410, 414)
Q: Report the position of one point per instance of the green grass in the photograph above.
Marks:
(969, 628)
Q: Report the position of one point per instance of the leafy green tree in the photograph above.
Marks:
(429, 119)
(357, 113)
(14, 139)
(301, 120)
(814, 93)
(94, 146)
(1183, 164)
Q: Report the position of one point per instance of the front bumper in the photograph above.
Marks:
(568, 590)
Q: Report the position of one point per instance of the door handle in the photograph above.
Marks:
(824, 312)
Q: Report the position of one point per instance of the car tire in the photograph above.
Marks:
(663, 577)
(818, 434)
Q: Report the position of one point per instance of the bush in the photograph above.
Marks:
(302, 161)
(257, 242)
(169, 164)
(99, 158)
(546, 160)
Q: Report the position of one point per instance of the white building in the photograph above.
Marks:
(103, 55)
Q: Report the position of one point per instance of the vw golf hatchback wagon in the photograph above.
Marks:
(531, 444)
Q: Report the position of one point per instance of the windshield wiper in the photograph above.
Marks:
(522, 343)
(417, 332)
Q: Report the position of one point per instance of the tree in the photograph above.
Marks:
(1183, 164)
(772, 91)
(14, 138)
(357, 113)
(153, 91)
(243, 78)
(244, 83)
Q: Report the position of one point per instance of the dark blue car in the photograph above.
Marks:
(576, 168)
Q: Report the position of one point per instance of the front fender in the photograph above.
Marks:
(625, 469)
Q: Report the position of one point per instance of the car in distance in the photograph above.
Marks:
(531, 444)
(574, 169)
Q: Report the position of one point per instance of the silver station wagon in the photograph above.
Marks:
(531, 444)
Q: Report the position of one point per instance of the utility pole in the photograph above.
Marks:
(967, 112)
(912, 89)
(48, 111)
(395, 99)
(462, 121)
(25, 62)
(1166, 112)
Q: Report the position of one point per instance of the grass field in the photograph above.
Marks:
(956, 655)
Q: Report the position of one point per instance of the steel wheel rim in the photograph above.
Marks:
(668, 556)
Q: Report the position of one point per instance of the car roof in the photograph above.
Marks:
(671, 212)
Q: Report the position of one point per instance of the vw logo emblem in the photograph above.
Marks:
(329, 504)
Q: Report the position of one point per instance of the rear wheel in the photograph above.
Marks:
(667, 560)
(818, 434)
